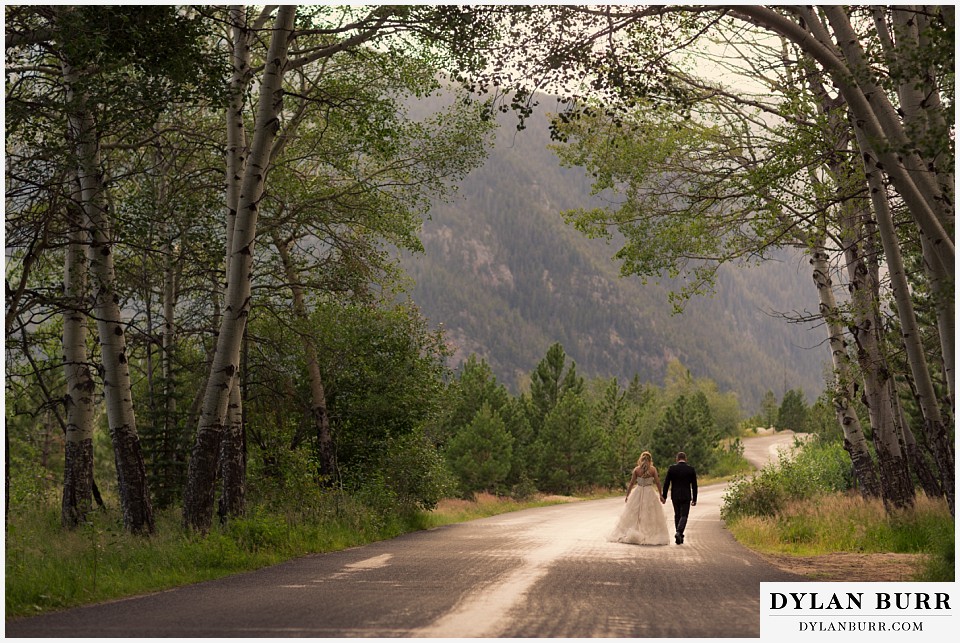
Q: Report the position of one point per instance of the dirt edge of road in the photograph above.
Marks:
(850, 568)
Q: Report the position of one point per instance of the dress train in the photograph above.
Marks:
(642, 521)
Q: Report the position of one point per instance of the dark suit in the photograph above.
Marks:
(683, 480)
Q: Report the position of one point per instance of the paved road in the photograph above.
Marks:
(761, 450)
(544, 572)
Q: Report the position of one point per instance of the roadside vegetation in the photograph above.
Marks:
(806, 505)
(49, 569)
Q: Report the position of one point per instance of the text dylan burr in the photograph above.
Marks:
(855, 601)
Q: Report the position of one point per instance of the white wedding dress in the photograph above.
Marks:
(642, 521)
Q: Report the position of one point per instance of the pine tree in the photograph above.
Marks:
(569, 447)
(793, 413)
(686, 426)
(768, 409)
(615, 415)
(480, 455)
(548, 382)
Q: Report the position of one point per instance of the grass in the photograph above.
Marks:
(833, 523)
(48, 568)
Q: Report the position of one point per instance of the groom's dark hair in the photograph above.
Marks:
(681, 456)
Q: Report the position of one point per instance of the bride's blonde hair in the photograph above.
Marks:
(645, 461)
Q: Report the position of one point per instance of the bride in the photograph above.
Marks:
(642, 521)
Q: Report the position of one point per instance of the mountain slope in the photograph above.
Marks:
(507, 278)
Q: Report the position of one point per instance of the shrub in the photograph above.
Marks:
(283, 478)
(813, 468)
(523, 489)
(760, 496)
(416, 474)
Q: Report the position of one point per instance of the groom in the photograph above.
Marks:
(684, 493)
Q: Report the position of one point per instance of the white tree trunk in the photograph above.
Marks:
(201, 477)
(854, 441)
(941, 286)
(934, 428)
(78, 445)
(836, 138)
(888, 140)
(131, 472)
(232, 447)
(236, 151)
(166, 478)
(923, 116)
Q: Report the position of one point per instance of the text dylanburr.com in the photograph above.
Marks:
(849, 610)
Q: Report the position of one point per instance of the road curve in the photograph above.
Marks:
(759, 451)
(545, 572)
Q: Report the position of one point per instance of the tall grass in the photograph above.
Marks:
(48, 568)
(846, 523)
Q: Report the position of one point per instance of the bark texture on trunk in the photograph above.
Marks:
(131, 472)
(915, 455)
(201, 476)
(935, 430)
(233, 461)
(77, 498)
(895, 479)
(854, 440)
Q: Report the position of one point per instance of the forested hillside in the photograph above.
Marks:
(507, 277)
